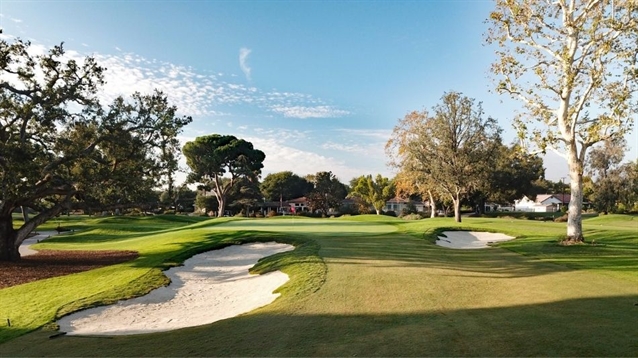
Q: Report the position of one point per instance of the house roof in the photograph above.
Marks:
(542, 197)
(563, 198)
(301, 200)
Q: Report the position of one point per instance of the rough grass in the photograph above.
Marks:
(379, 287)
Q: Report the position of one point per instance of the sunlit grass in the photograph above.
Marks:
(373, 286)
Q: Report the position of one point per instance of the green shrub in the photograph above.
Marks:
(412, 217)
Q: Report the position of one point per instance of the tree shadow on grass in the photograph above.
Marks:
(402, 251)
(603, 326)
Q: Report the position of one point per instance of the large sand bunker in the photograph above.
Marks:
(470, 239)
(209, 287)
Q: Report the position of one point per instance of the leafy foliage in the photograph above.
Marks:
(60, 147)
(450, 150)
(374, 192)
(513, 175)
(284, 186)
(328, 192)
(573, 66)
(212, 157)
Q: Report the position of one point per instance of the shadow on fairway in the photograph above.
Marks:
(602, 326)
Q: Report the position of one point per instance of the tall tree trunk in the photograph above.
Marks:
(221, 200)
(432, 205)
(10, 239)
(457, 208)
(378, 211)
(25, 214)
(574, 216)
(8, 248)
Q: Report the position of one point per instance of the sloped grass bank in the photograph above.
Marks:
(32, 305)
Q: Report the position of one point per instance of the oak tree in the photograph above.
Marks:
(448, 149)
(59, 147)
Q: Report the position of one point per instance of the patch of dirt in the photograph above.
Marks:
(54, 263)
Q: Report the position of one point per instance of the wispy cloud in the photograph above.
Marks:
(362, 147)
(309, 112)
(195, 92)
(281, 157)
(379, 134)
(243, 57)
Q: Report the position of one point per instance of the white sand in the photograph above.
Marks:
(211, 286)
(470, 239)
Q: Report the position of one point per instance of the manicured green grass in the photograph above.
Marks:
(370, 286)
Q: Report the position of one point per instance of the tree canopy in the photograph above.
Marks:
(513, 175)
(573, 66)
(328, 192)
(215, 157)
(284, 185)
(450, 149)
(374, 192)
(59, 146)
(613, 187)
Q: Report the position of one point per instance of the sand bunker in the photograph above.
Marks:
(211, 286)
(470, 239)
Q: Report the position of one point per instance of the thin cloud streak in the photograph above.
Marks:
(194, 92)
(309, 112)
(243, 57)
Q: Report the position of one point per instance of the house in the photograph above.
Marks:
(298, 205)
(544, 203)
(398, 204)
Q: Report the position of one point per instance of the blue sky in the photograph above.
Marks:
(316, 85)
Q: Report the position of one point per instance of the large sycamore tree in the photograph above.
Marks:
(572, 63)
(373, 191)
(60, 148)
(221, 162)
(450, 149)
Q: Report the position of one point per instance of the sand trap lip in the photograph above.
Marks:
(209, 287)
(470, 239)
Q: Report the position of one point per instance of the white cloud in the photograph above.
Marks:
(309, 112)
(280, 157)
(17, 21)
(243, 56)
(380, 134)
(195, 92)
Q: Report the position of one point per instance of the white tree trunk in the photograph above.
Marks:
(432, 205)
(574, 217)
(457, 208)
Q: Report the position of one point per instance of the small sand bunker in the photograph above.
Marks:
(209, 287)
(470, 239)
